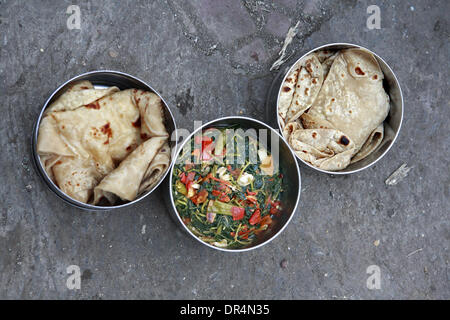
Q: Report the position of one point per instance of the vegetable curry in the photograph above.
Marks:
(226, 188)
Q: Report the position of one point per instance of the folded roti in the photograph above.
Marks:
(80, 94)
(287, 92)
(125, 180)
(290, 128)
(152, 114)
(371, 144)
(327, 149)
(156, 169)
(308, 85)
(352, 104)
(79, 147)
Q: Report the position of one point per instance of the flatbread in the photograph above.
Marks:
(351, 103)
(287, 92)
(125, 180)
(308, 85)
(79, 147)
(80, 94)
(371, 144)
(156, 169)
(327, 149)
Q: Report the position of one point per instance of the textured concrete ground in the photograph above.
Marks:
(210, 59)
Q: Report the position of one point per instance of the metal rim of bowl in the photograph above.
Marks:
(350, 45)
(181, 146)
(54, 187)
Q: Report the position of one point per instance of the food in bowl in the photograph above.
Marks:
(332, 106)
(227, 187)
(104, 146)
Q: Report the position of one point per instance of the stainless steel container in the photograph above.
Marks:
(393, 121)
(287, 161)
(100, 79)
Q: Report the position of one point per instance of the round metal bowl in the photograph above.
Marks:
(393, 121)
(287, 163)
(100, 79)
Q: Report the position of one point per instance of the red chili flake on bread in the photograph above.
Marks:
(359, 71)
(95, 105)
(106, 129)
(137, 123)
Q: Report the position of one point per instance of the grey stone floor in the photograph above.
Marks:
(210, 59)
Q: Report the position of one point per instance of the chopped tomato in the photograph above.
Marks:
(266, 220)
(183, 178)
(186, 220)
(189, 166)
(275, 207)
(250, 193)
(238, 213)
(216, 193)
(224, 198)
(191, 176)
(207, 148)
(252, 199)
(204, 140)
(224, 188)
(255, 218)
(200, 197)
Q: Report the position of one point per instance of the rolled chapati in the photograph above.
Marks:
(156, 169)
(125, 180)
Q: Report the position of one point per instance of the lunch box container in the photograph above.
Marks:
(101, 79)
(393, 121)
(287, 162)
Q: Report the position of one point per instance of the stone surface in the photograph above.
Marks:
(186, 51)
(277, 24)
(227, 20)
(252, 53)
